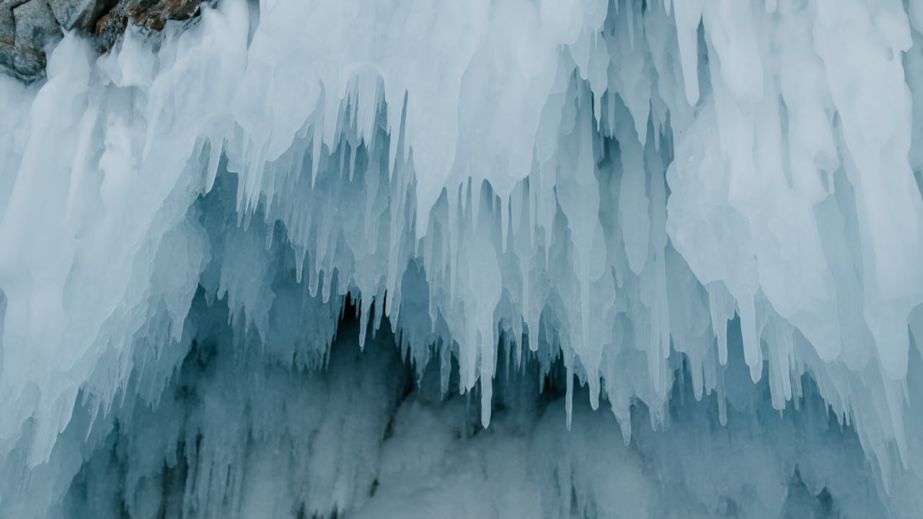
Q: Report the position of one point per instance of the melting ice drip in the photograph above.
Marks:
(631, 201)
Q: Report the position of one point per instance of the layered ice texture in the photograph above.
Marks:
(505, 258)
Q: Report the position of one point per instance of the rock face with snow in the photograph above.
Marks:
(491, 258)
(27, 27)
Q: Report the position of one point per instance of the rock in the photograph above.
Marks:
(151, 15)
(24, 64)
(25, 29)
(110, 26)
(79, 14)
(35, 25)
(7, 22)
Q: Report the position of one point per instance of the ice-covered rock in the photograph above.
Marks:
(27, 27)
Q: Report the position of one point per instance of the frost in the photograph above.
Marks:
(704, 216)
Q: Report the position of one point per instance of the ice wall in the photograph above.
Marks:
(600, 186)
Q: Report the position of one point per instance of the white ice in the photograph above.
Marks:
(629, 190)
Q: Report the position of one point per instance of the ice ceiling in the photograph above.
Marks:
(602, 259)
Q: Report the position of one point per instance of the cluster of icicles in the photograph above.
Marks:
(608, 183)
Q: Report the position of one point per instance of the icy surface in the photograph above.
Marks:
(702, 215)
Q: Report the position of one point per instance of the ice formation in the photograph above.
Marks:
(402, 258)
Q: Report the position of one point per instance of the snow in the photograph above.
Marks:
(624, 200)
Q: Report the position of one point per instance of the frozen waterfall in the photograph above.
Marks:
(468, 259)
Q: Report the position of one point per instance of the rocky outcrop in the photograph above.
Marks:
(27, 27)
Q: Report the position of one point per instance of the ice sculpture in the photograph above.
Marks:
(498, 258)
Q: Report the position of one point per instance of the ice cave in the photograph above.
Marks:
(452, 259)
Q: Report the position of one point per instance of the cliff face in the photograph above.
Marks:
(26, 27)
